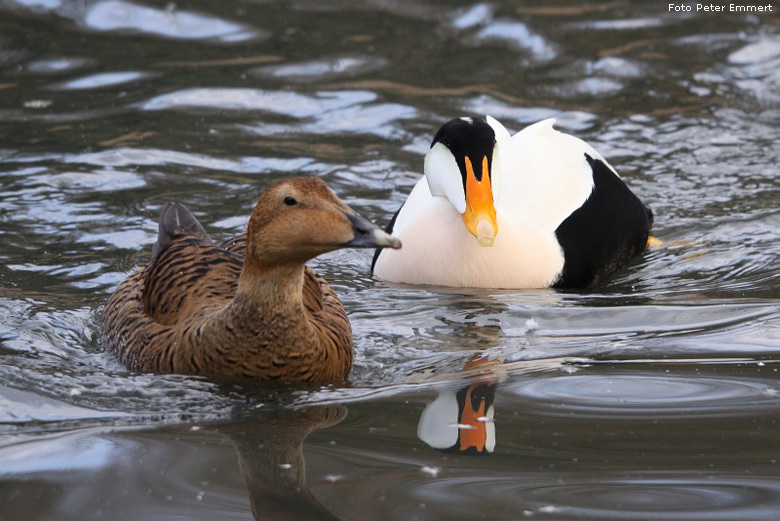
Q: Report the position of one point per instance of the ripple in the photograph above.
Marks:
(98, 180)
(506, 114)
(127, 156)
(588, 87)
(755, 70)
(57, 65)
(17, 406)
(29, 329)
(116, 15)
(757, 52)
(322, 69)
(476, 15)
(519, 36)
(97, 391)
(749, 74)
(623, 25)
(708, 263)
(40, 4)
(618, 67)
(374, 119)
(59, 454)
(341, 112)
(41, 346)
(280, 102)
(105, 79)
(658, 497)
(667, 396)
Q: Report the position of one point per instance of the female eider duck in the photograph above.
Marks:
(537, 209)
(247, 307)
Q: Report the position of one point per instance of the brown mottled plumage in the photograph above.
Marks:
(249, 306)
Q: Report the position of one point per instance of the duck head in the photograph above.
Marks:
(459, 166)
(298, 219)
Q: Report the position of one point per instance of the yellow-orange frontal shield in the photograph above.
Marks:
(480, 214)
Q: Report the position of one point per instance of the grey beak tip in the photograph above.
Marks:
(369, 235)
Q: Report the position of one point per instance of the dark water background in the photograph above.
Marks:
(655, 397)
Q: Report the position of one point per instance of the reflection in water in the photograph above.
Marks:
(107, 79)
(116, 15)
(270, 452)
(462, 421)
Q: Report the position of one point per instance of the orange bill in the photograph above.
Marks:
(480, 214)
(474, 431)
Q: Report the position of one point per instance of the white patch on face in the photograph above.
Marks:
(444, 178)
(467, 120)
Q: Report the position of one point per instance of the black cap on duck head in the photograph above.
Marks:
(297, 219)
(468, 138)
(459, 166)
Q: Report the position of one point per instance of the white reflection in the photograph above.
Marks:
(624, 24)
(325, 112)
(617, 67)
(279, 102)
(171, 23)
(105, 79)
(757, 52)
(476, 15)
(55, 65)
(40, 4)
(126, 156)
(519, 35)
(97, 181)
(319, 68)
(571, 119)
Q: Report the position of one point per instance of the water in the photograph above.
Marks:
(654, 397)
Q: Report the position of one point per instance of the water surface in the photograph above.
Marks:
(654, 397)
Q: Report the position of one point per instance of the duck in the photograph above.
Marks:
(247, 307)
(537, 209)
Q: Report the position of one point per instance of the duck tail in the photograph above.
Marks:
(175, 219)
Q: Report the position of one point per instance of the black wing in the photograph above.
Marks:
(605, 233)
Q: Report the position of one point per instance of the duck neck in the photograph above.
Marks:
(272, 288)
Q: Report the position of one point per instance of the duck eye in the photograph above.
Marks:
(290, 201)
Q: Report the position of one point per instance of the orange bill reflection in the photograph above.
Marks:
(461, 421)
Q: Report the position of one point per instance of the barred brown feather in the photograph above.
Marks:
(246, 307)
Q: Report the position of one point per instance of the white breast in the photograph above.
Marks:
(439, 250)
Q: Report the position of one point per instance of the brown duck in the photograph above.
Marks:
(248, 307)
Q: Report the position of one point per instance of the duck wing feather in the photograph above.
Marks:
(190, 278)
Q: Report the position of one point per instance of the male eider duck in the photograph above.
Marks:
(534, 210)
(248, 307)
